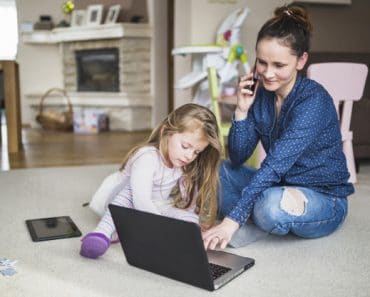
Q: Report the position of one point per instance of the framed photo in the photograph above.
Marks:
(94, 15)
(78, 18)
(112, 14)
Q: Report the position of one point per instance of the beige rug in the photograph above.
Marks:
(336, 266)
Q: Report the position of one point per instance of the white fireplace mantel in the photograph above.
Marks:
(80, 33)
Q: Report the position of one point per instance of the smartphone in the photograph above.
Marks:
(255, 79)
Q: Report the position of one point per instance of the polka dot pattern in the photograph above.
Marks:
(303, 145)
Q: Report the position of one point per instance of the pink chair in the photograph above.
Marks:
(345, 82)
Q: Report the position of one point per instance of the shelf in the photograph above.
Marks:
(197, 49)
(348, 2)
(97, 99)
(105, 31)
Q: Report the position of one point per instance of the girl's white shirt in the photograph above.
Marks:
(145, 180)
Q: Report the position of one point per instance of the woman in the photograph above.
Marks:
(301, 186)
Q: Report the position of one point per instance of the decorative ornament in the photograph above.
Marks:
(227, 35)
(68, 7)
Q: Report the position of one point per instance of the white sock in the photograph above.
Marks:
(106, 225)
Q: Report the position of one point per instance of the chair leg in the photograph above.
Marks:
(348, 152)
(357, 165)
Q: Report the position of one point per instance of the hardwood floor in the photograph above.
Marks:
(49, 148)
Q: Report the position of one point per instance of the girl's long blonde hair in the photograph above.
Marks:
(200, 176)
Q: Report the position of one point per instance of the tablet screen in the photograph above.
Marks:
(52, 228)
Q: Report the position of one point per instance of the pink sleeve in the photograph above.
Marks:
(141, 180)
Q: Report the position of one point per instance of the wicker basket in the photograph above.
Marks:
(52, 119)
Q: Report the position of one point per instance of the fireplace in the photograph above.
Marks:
(106, 68)
(97, 70)
(109, 65)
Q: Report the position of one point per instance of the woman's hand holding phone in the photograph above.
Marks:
(245, 95)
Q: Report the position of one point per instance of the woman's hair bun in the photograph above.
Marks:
(296, 12)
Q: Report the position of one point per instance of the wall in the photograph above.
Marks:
(158, 20)
(182, 32)
(341, 28)
(38, 70)
(196, 22)
(129, 8)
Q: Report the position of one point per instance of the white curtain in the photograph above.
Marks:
(8, 30)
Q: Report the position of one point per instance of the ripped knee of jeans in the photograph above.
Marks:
(293, 201)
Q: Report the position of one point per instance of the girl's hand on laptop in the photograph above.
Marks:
(219, 235)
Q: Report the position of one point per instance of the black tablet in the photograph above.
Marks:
(52, 228)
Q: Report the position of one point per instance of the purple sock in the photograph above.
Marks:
(94, 244)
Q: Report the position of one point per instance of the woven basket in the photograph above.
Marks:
(52, 119)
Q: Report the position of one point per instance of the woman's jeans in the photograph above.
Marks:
(283, 209)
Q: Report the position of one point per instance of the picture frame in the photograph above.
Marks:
(112, 15)
(78, 18)
(94, 15)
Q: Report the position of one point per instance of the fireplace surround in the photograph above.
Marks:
(128, 100)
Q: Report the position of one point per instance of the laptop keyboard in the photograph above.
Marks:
(217, 270)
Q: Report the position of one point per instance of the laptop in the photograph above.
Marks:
(174, 248)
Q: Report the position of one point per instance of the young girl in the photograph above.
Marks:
(175, 173)
(301, 186)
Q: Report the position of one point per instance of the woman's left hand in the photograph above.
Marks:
(219, 235)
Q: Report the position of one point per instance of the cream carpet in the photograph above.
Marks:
(338, 265)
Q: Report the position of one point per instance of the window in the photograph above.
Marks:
(8, 30)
